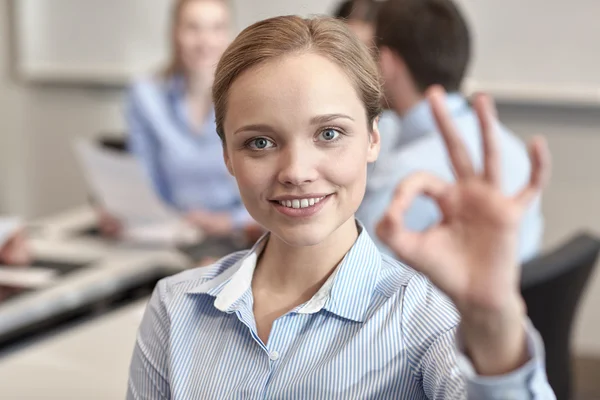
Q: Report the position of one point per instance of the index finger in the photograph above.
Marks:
(457, 151)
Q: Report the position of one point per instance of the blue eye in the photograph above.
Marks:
(329, 134)
(260, 143)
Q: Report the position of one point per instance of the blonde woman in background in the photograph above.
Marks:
(171, 126)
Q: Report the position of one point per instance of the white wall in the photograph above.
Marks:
(572, 201)
(12, 98)
(39, 175)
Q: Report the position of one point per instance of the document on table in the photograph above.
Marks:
(26, 277)
(120, 184)
(8, 227)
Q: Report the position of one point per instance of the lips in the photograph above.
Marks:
(301, 203)
(300, 207)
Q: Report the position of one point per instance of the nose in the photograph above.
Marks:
(297, 166)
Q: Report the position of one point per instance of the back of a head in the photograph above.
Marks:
(431, 37)
(277, 37)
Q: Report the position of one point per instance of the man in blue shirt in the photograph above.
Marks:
(424, 43)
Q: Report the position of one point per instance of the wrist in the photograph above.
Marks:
(495, 339)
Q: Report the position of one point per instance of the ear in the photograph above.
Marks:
(374, 142)
(227, 160)
(387, 60)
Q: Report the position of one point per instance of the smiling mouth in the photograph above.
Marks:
(300, 203)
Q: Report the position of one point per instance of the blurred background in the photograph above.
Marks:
(64, 69)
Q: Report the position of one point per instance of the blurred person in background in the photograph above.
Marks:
(14, 252)
(360, 16)
(171, 125)
(424, 43)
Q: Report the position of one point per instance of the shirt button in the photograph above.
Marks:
(273, 356)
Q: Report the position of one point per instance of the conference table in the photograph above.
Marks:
(74, 339)
(96, 274)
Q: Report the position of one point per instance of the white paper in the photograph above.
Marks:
(8, 227)
(26, 277)
(121, 185)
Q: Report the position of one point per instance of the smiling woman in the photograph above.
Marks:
(314, 310)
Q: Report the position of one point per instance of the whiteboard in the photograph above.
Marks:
(524, 50)
(536, 50)
(110, 41)
(104, 41)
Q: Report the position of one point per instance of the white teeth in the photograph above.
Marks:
(300, 203)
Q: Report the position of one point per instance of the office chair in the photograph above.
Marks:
(552, 285)
(113, 141)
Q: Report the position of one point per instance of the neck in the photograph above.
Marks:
(198, 86)
(299, 271)
(407, 102)
(199, 97)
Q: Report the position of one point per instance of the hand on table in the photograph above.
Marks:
(472, 254)
(109, 225)
(16, 250)
(16, 253)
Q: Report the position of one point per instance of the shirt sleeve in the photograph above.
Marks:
(148, 372)
(143, 144)
(430, 325)
(526, 383)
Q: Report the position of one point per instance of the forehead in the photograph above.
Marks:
(291, 90)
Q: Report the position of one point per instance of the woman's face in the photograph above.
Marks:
(202, 34)
(298, 143)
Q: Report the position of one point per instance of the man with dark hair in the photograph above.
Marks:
(360, 16)
(432, 40)
(422, 44)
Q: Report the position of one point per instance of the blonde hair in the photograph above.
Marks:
(280, 36)
(175, 64)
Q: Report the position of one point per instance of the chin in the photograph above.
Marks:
(302, 234)
(307, 234)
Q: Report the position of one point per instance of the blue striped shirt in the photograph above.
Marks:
(375, 330)
(184, 163)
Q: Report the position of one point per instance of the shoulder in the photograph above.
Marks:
(395, 275)
(146, 86)
(422, 302)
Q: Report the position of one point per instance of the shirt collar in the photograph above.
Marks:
(176, 85)
(346, 293)
(419, 120)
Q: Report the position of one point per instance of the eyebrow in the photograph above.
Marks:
(322, 119)
(260, 128)
(319, 119)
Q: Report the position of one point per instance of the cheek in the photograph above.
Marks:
(350, 169)
(253, 175)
